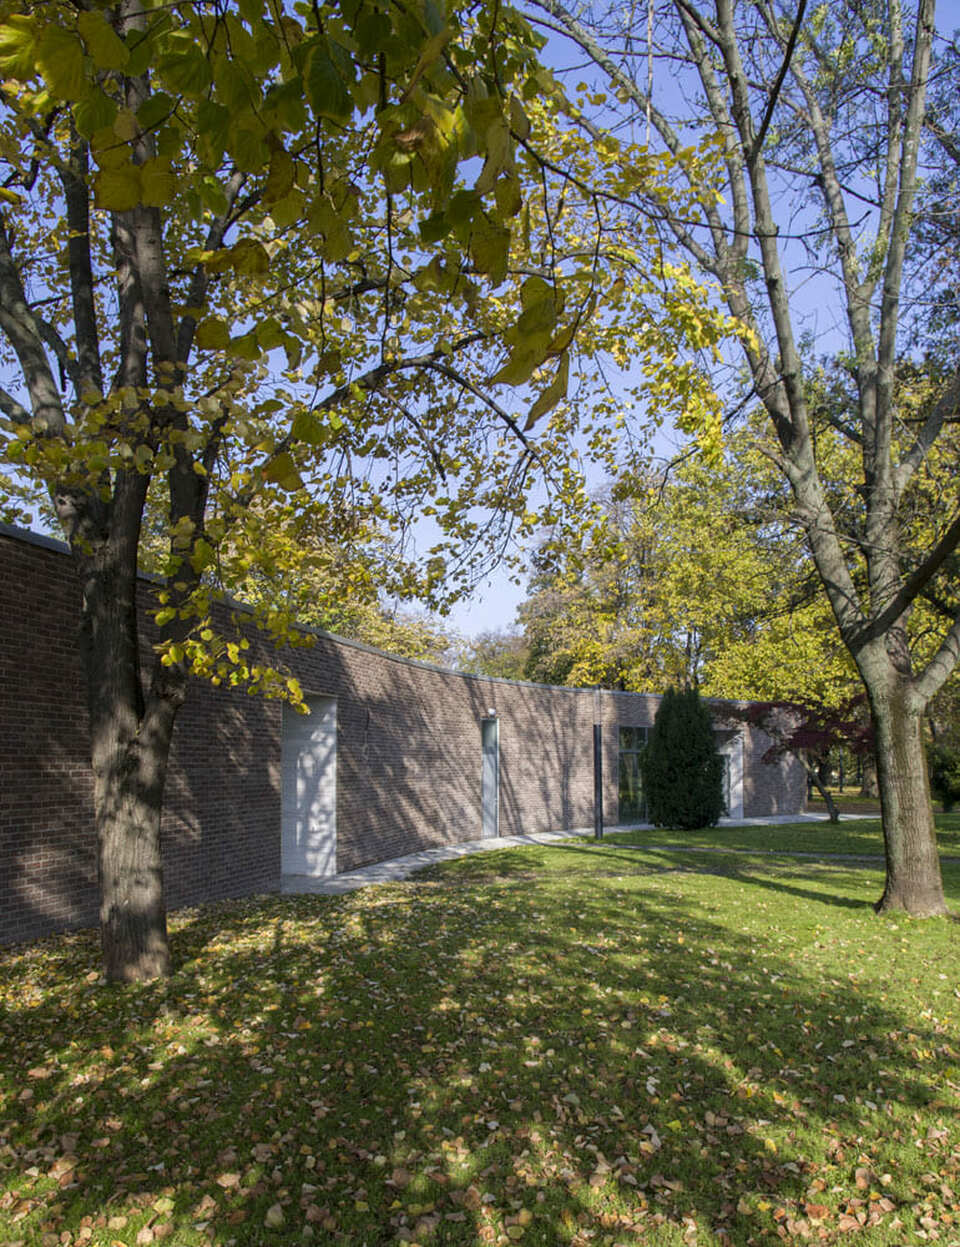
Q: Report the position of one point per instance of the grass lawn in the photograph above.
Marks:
(862, 837)
(577, 1044)
(847, 802)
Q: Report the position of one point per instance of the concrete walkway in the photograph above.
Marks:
(402, 867)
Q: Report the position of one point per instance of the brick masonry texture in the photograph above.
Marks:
(408, 759)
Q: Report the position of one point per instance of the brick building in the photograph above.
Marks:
(396, 756)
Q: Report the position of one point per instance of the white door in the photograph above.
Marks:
(309, 789)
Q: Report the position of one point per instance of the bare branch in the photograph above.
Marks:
(20, 327)
(944, 410)
(914, 584)
(778, 84)
(88, 373)
(14, 411)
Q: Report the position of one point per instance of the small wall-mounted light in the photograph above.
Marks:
(491, 712)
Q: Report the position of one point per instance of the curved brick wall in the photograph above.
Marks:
(408, 759)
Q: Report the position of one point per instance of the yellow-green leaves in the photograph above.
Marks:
(532, 335)
(329, 70)
(30, 47)
(281, 470)
(519, 121)
(158, 184)
(122, 187)
(183, 67)
(431, 50)
(104, 45)
(125, 125)
(280, 177)
(250, 257)
(553, 394)
(283, 107)
(247, 257)
(117, 189)
(212, 334)
(60, 60)
(498, 148)
(307, 428)
(508, 196)
(490, 248)
(19, 39)
(327, 219)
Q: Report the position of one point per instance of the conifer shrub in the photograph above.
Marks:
(943, 761)
(682, 770)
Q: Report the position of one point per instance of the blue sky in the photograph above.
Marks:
(819, 316)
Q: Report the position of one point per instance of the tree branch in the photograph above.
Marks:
(88, 373)
(14, 411)
(945, 408)
(69, 368)
(914, 584)
(941, 665)
(200, 281)
(20, 327)
(778, 84)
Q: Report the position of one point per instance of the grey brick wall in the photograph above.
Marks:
(408, 757)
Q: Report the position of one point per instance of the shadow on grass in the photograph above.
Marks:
(768, 871)
(440, 1066)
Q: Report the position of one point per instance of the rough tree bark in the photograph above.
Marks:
(130, 729)
(129, 746)
(913, 882)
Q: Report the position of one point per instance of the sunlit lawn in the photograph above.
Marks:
(860, 837)
(847, 802)
(581, 1044)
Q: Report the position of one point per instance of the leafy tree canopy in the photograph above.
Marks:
(292, 254)
(259, 259)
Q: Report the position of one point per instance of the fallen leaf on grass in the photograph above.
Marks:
(274, 1218)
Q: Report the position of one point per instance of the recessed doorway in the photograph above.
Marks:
(309, 789)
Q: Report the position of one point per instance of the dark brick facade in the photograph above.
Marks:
(408, 760)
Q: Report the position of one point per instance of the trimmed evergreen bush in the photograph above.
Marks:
(682, 771)
(943, 761)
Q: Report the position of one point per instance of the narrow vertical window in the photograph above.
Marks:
(632, 807)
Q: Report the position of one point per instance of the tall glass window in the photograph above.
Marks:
(633, 808)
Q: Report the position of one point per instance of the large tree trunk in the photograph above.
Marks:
(133, 919)
(913, 882)
(130, 737)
